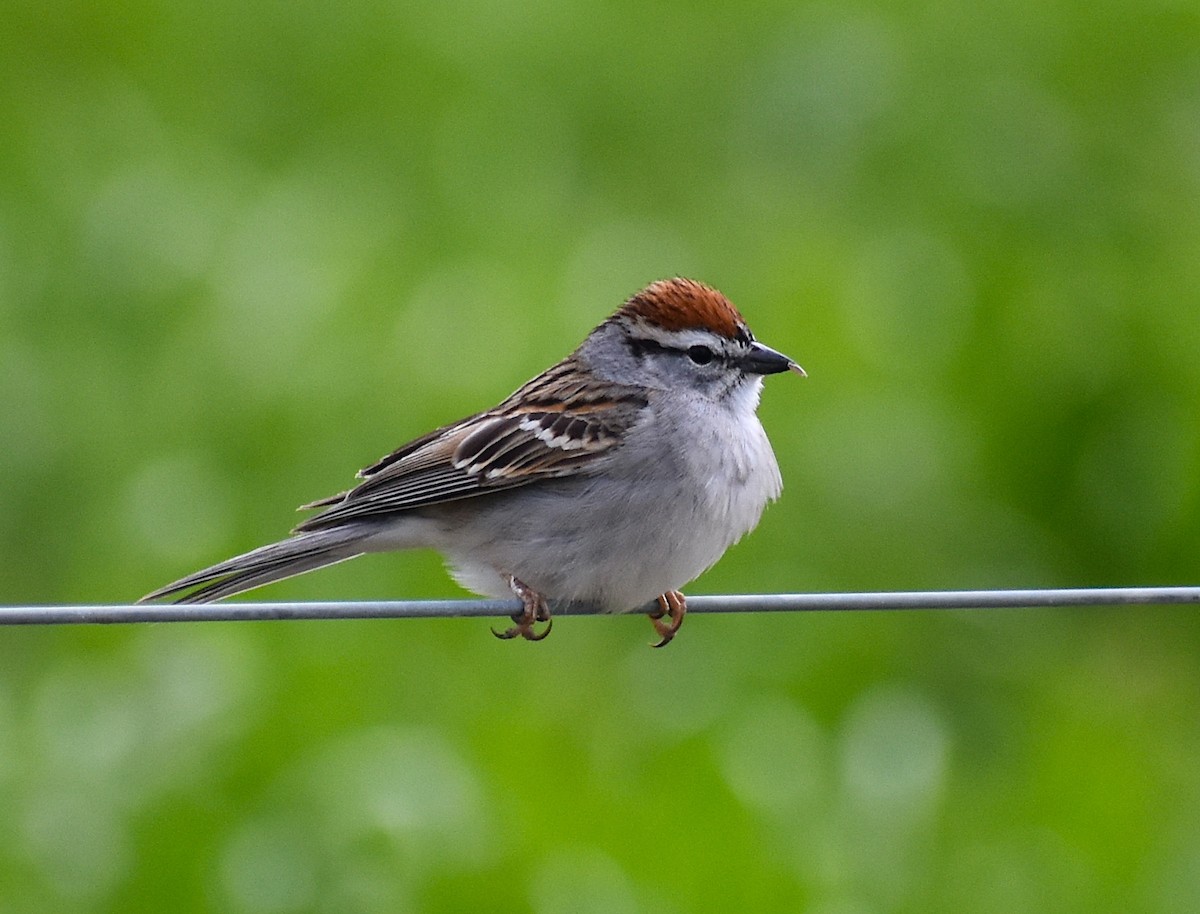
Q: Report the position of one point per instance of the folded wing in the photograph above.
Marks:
(542, 431)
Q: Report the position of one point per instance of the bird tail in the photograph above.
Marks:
(296, 555)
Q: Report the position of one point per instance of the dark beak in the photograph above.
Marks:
(765, 360)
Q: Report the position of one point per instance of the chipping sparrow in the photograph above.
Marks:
(616, 476)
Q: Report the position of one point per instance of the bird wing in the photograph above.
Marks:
(557, 425)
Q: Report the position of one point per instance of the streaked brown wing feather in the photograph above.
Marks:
(554, 426)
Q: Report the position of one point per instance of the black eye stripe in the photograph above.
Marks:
(698, 354)
(642, 347)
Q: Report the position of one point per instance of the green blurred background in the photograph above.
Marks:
(246, 249)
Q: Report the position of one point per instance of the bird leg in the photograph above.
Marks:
(534, 610)
(673, 605)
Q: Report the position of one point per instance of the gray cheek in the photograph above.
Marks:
(608, 355)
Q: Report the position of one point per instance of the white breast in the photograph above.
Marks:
(687, 483)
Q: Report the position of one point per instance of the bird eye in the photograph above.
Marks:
(701, 355)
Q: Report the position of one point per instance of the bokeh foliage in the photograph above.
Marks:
(245, 249)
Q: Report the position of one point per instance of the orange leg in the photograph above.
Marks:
(673, 605)
(535, 610)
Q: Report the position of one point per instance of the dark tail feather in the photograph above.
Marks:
(301, 553)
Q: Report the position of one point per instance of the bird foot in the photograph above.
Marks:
(534, 610)
(672, 605)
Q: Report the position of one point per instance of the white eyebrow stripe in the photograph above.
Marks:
(683, 340)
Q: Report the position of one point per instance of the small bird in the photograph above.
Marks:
(612, 479)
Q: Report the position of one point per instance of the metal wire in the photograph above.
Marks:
(741, 603)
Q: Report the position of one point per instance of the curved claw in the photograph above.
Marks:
(534, 610)
(673, 605)
(530, 635)
(524, 629)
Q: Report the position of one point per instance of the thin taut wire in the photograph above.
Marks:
(739, 603)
